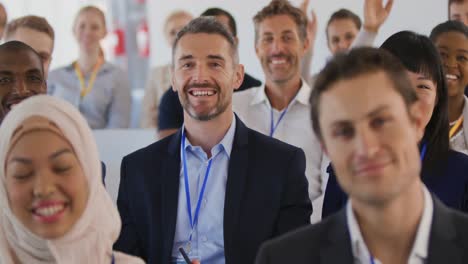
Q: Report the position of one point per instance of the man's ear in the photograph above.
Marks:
(239, 76)
(416, 116)
(306, 44)
(173, 79)
(323, 147)
(45, 86)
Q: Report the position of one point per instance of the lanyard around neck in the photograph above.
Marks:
(85, 89)
(455, 127)
(423, 151)
(273, 125)
(194, 220)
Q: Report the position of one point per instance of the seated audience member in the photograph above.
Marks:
(444, 171)
(21, 75)
(458, 10)
(159, 78)
(3, 19)
(54, 206)
(451, 39)
(97, 88)
(37, 33)
(216, 188)
(280, 108)
(344, 29)
(370, 121)
(171, 114)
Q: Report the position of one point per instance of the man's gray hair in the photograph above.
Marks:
(208, 25)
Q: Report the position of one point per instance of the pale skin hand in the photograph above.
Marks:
(375, 14)
(195, 262)
(311, 23)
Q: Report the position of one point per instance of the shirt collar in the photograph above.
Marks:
(301, 97)
(105, 67)
(421, 242)
(225, 143)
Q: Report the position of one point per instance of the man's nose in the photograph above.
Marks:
(367, 144)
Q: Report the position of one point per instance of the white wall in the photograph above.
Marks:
(417, 15)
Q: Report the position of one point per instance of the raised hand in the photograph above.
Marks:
(311, 22)
(375, 14)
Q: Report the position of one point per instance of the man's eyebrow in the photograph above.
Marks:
(34, 70)
(185, 57)
(216, 57)
(6, 72)
(372, 113)
(377, 110)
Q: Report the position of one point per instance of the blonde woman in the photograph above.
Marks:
(98, 88)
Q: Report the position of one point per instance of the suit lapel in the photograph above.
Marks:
(237, 174)
(337, 249)
(170, 191)
(443, 247)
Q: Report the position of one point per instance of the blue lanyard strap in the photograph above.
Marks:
(274, 126)
(193, 221)
(113, 258)
(372, 260)
(423, 151)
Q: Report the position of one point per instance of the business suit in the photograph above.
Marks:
(329, 241)
(266, 195)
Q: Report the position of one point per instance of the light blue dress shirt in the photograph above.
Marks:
(207, 243)
(107, 105)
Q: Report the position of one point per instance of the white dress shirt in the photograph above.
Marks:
(418, 253)
(207, 244)
(295, 128)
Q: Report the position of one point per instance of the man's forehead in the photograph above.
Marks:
(356, 98)
(277, 23)
(201, 44)
(39, 41)
(23, 58)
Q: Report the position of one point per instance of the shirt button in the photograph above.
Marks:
(204, 239)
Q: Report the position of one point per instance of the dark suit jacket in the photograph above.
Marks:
(449, 184)
(329, 241)
(266, 195)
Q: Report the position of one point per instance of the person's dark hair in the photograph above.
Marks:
(215, 11)
(282, 7)
(357, 62)
(207, 25)
(419, 55)
(448, 26)
(15, 46)
(344, 14)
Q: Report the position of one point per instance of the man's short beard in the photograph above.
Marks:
(205, 117)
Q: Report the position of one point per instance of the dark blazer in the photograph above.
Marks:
(329, 241)
(450, 185)
(266, 195)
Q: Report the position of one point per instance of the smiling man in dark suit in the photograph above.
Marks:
(367, 117)
(216, 188)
